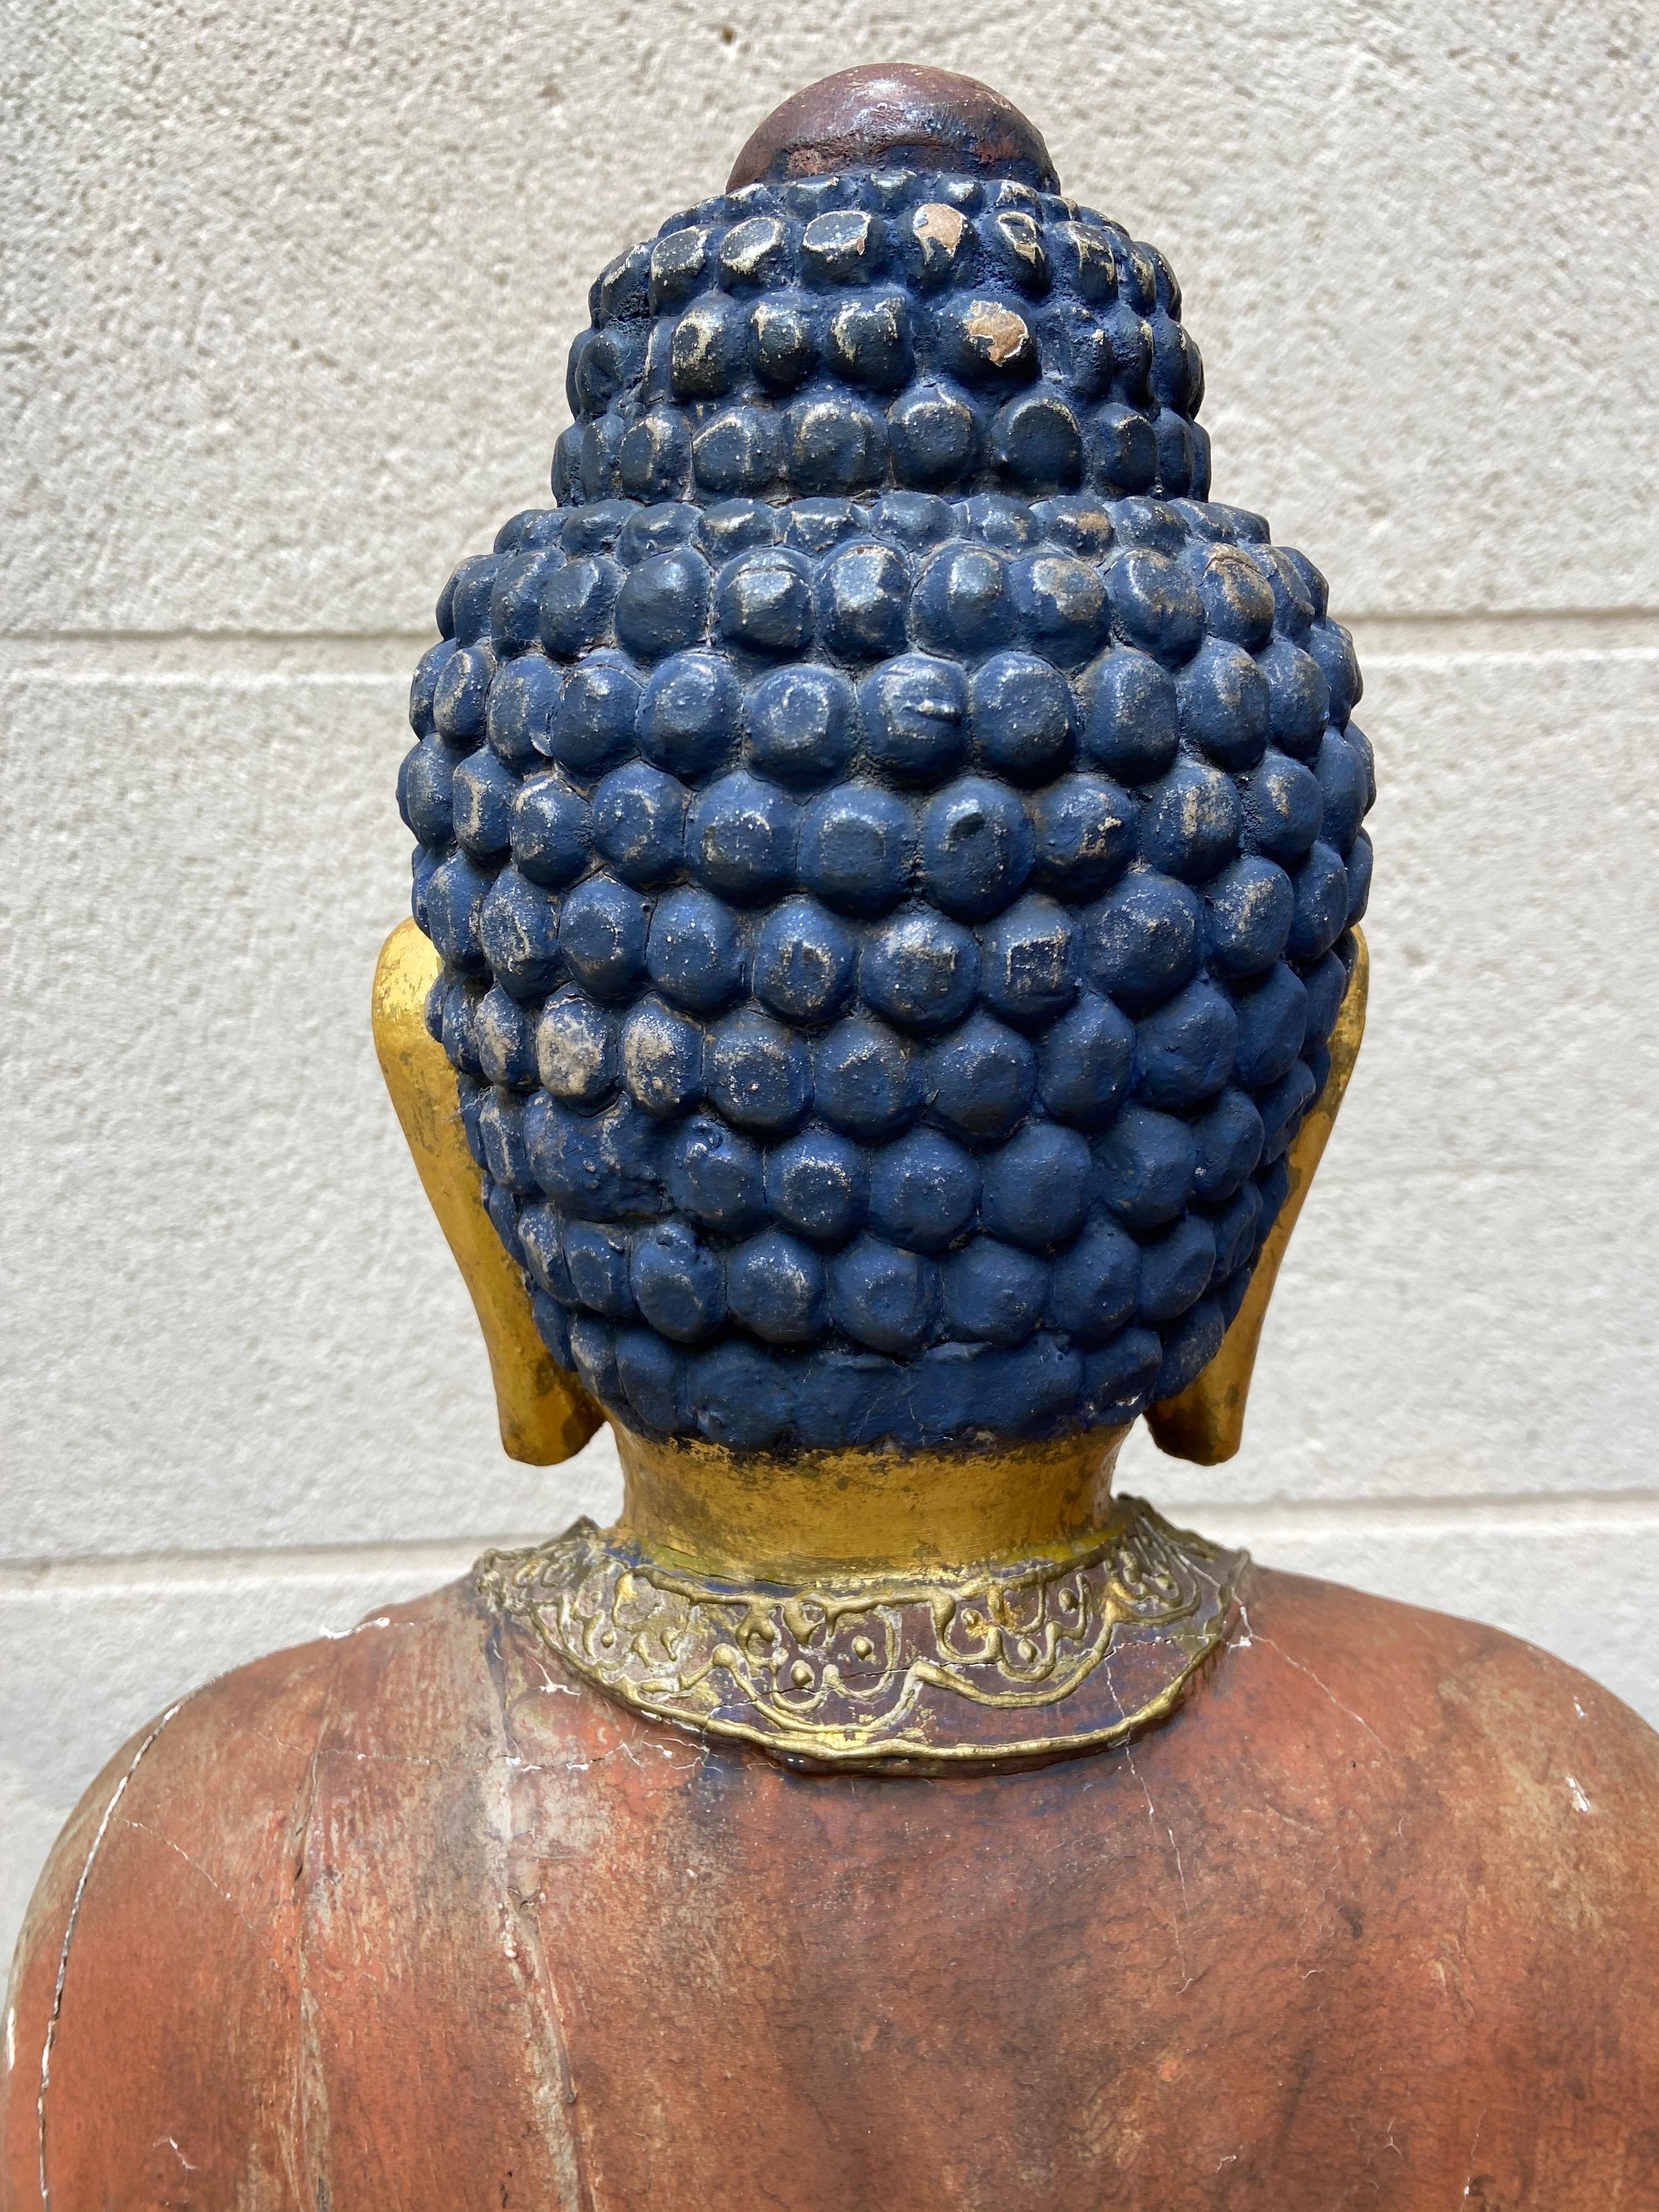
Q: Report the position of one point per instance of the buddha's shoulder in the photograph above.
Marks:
(351, 1832)
(244, 1753)
(261, 1733)
(1478, 1727)
(176, 1882)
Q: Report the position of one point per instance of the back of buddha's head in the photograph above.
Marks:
(893, 842)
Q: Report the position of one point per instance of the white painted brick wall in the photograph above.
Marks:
(287, 292)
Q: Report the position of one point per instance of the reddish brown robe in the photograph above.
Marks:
(412, 1921)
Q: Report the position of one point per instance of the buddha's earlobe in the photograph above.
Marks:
(545, 1414)
(1206, 1422)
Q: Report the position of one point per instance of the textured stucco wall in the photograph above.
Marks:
(288, 291)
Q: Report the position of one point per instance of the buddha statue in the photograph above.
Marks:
(884, 964)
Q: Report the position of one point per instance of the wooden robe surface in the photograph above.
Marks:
(412, 1921)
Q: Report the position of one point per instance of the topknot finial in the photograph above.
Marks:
(895, 113)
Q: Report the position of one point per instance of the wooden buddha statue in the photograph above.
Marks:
(885, 966)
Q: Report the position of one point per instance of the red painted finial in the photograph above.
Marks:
(895, 114)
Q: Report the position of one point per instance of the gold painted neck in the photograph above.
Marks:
(747, 1516)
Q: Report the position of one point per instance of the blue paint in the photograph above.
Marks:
(696, 949)
(800, 727)
(914, 714)
(978, 848)
(919, 970)
(868, 1080)
(856, 848)
(601, 936)
(524, 698)
(639, 823)
(981, 1079)
(1036, 1185)
(506, 1041)
(679, 1283)
(740, 838)
(776, 1288)
(924, 1191)
(892, 839)
(425, 790)
(661, 1060)
(1029, 967)
(576, 1054)
(885, 1296)
(758, 1073)
(994, 1292)
(688, 717)
(804, 961)
(818, 1184)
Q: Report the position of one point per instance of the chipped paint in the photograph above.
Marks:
(996, 331)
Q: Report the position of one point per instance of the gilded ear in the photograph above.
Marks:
(545, 1414)
(1205, 1423)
